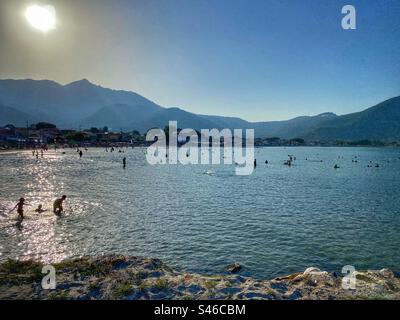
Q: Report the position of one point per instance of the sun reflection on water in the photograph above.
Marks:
(43, 236)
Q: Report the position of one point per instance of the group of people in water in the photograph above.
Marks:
(35, 152)
(290, 160)
(111, 150)
(58, 203)
(119, 151)
(57, 208)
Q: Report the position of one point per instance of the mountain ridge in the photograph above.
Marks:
(82, 103)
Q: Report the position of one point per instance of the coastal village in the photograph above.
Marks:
(43, 133)
(36, 135)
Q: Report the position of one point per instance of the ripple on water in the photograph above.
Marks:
(276, 221)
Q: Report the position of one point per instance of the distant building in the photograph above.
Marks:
(10, 134)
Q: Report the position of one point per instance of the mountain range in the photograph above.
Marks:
(83, 104)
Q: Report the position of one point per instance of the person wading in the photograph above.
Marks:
(57, 206)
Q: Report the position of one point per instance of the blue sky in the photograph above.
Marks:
(259, 60)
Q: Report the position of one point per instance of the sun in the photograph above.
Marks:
(42, 18)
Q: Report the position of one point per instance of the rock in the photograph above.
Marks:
(289, 277)
(363, 276)
(317, 275)
(378, 289)
(281, 287)
(237, 279)
(258, 296)
(296, 294)
(234, 267)
(192, 289)
(230, 291)
(386, 273)
(311, 270)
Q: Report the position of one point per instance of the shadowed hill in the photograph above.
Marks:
(84, 104)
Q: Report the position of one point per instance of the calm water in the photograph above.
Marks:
(276, 221)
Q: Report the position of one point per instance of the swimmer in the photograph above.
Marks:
(40, 209)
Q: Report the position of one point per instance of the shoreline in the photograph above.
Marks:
(7, 150)
(115, 277)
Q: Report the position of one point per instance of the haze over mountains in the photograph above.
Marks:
(83, 104)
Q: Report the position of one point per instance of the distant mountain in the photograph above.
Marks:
(142, 118)
(13, 116)
(293, 128)
(122, 116)
(66, 105)
(381, 122)
(83, 104)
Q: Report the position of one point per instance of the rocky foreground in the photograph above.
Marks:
(119, 277)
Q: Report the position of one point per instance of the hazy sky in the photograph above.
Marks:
(259, 60)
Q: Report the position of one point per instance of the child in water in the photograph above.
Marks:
(40, 209)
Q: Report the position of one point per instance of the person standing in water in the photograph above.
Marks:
(20, 209)
(124, 162)
(57, 205)
(80, 153)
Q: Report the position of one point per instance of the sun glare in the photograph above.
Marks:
(42, 18)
